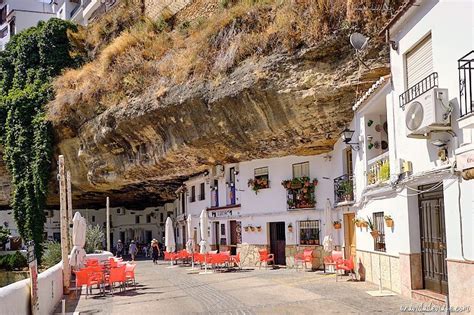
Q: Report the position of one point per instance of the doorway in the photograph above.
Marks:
(216, 235)
(148, 236)
(349, 236)
(183, 235)
(433, 239)
(122, 237)
(234, 236)
(278, 242)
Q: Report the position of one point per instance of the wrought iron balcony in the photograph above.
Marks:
(466, 74)
(420, 88)
(343, 189)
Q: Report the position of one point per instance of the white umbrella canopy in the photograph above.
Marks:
(190, 243)
(169, 236)
(204, 222)
(78, 253)
(328, 241)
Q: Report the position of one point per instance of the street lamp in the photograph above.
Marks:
(347, 137)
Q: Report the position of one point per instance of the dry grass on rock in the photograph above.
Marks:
(146, 54)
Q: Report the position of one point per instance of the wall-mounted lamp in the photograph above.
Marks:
(347, 137)
(206, 173)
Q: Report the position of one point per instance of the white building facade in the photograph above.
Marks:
(82, 11)
(17, 15)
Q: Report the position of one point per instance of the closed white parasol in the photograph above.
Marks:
(204, 222)
(169, 236)
(78, 253)
(190, 242)
(328, 241)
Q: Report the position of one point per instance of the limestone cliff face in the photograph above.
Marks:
(280, 105)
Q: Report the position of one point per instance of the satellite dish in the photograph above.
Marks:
(358, 41)
(414, 116)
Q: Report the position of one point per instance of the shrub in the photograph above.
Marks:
(13, 261)
(94, 238)
(52, 254)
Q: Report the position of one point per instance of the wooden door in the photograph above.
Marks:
(216, 235)
(233, 237)
(349, 235)
(278, 242)
(433, 240)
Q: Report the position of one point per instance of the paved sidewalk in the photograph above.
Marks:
(163, 290)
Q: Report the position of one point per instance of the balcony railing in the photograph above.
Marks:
(466, 74)
(343, 189)
(428, 83)
(378, 169)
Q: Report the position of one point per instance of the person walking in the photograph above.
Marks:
(133, 250)
(155, 251)
(119, 249)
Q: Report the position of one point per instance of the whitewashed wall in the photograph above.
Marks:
(15, 298)
(451, 40)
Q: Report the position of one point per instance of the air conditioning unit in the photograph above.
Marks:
(428, 112)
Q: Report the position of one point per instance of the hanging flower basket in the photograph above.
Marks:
(388, 221)
(364, 224)
(246, 228)
(259, 228)
(252, 228)
(337, 225)
(375, 233)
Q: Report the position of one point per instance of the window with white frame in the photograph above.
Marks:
(301, 170)
(309, 231)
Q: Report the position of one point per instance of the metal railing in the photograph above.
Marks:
(343, 189)
(378, 169)
(466, 74)
(420, 88)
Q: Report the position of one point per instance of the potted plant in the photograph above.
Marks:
(252, 228)
(259, 228)
(385, 171)
(346, 189)
(337, 224)
(246, 228)
(373, 229)
(388, 221)
(363, 223)
(357, 222)
(290, 227)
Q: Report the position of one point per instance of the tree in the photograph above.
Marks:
(27, 67)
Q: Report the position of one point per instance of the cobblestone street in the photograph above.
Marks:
(162, 290)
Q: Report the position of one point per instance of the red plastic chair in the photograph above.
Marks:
(346, 265)
(117, 275)
(92, 262)
(113, 262)
(236, 260)
(88, 278)
(331, 260)
(130, 274)
(305, 257)
(266, 257)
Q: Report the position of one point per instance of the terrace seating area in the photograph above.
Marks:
(109, 275)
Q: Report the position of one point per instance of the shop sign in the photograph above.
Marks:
(221, 214)
(465, 160)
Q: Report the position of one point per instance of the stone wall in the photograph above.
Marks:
(369, 265)
(318, 254)
(167, 8)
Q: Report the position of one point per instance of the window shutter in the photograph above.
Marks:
(419, 62)
(305, 170)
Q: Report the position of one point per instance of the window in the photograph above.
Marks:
(309, 232)
(162, 219)
(419, 62)
(301, 170)
(261, 177)
(3, 15)
(93, 218)
(222, 229)
(202, 195)
(137, 219)
(193, 193)
(148, 218)
(12, 27)
(379, 241)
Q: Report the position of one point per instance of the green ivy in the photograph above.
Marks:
(27, 67)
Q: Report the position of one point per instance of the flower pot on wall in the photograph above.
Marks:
(389, 222)
(337, 226)
(259, 228)
(246, 228)
(364, 224)
(375, 233)
(252, 228)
